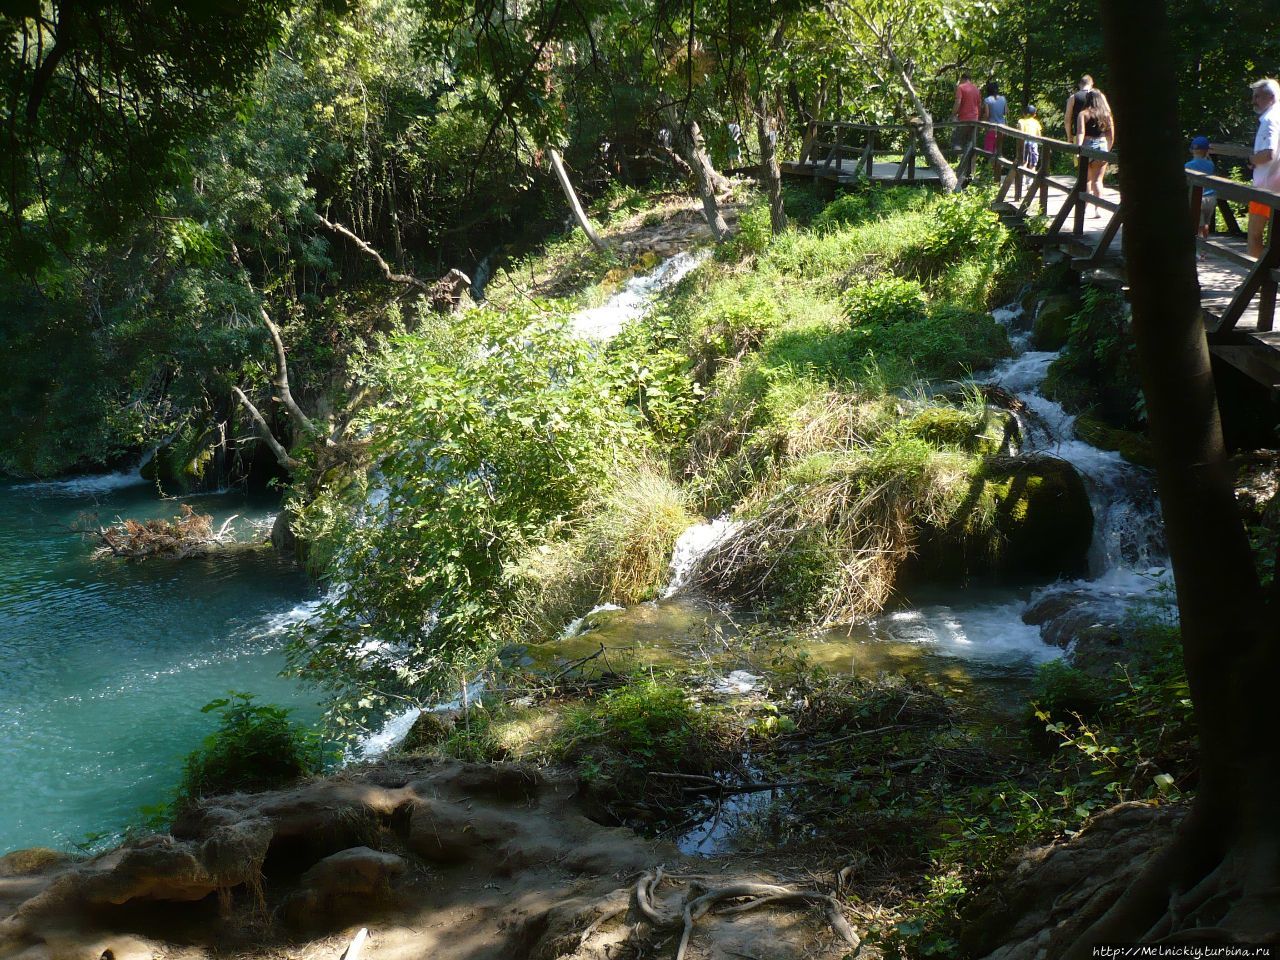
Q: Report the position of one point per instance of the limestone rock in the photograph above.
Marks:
(1050, 894)
(1053, 321)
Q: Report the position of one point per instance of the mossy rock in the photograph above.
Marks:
(987, 433)
(1130, 444)
(1043, 519)
(1053, 321)
(1026, 518)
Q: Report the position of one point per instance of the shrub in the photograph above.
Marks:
(647, 724)
(255, 747)
(755, 231)
(494, 429)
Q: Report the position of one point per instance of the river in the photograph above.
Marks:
(105, 664)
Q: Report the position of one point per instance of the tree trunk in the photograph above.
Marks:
(705, 174)
(578, 213)
(811, 121)
(767, 131)
(924, 133)
(1230, 843)
(692, 149)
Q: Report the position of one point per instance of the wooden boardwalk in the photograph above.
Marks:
(1237, 293)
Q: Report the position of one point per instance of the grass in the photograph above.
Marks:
(618, 552)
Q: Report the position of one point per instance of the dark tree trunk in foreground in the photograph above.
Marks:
(1220, 876)
(767, 131)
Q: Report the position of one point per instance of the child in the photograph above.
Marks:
(1201, 163)
(1030, 149)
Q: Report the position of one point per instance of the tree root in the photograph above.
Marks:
(699, 900)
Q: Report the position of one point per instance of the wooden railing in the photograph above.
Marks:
(851, 149)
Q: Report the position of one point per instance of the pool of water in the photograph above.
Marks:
(105, 664)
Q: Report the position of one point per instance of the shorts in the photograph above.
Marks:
(989, 142)
(1095, 143)
(1258, 209)
(1208, 210)
(961, 137)
(1031, 156)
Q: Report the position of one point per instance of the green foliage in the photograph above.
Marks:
(255, 747)
(493, 429)
(648, 724)
(752, 236)
(1097, 371)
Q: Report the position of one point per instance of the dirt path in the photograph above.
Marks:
(447, 861)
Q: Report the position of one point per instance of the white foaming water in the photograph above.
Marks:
(85, 485)
(694, 544)
(397, 726)
(635, 297)
(1127, 530)
(994, 632)
(575, 626)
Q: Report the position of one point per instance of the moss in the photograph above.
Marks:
(1130, 444)
(1022, 518)
(1053, 321)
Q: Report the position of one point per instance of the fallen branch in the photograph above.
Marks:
(186, 535)
(391, 275)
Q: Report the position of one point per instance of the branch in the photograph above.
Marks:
(281, 381)
(387, 272)
(264, 432)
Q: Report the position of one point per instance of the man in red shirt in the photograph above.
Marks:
(968, 104)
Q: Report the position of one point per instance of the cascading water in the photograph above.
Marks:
(635, 297)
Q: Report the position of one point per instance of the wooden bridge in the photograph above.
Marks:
(1055, 211)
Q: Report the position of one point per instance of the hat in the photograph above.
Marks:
(1029, 108)
(1199, 143)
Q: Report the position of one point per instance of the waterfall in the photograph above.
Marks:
(694, 544)
(635, 297)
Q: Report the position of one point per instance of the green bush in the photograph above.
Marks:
(255, 747)
(1062, 692)
(752, 236)
(884, 301)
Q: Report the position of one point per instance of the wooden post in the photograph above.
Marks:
(578, 213)
(1082, 187)
(1042, 178)
(1019, 159)
(1267, 292)
(837, 148)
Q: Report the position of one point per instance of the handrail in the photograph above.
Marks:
(1088, 249)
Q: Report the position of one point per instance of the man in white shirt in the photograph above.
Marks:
(1265, 158)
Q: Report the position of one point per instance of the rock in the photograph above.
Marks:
(354, 879)
(429, 730)
(34, 860)
(359, 870)
(991, 432)
(1130, 444)
(1049, 895)
(1053, 321)
(1028, 517)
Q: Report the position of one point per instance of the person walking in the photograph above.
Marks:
(967, 108)
(1265, 158)
(1200, 163)
(1076, 103)
(1095, 129)
(1030, 124)
(995, 109)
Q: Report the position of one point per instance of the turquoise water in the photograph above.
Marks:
(104, 664)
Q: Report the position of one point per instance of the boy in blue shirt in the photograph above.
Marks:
(1201, 163)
